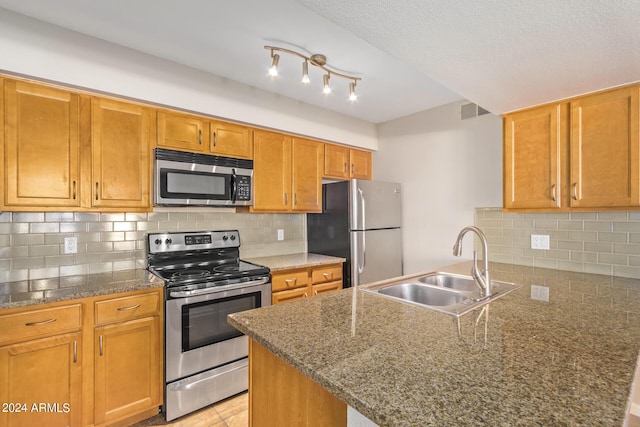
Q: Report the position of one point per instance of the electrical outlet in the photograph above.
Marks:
(540, 293)
(280, 234)
(540, 241)
(70, 245)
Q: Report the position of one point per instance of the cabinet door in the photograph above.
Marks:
(120, 155)
(307, 168)
(128, 376)
(182, 132)
(360, 164)
(532, 158)
(42, 372)
(42, 144)
(228, 139)
(604, 149)
(336, 161)
(272, 172)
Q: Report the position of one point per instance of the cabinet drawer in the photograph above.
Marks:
(40, 323)
(327, 287)
(292, 295)
(126, 308)
(289, 280)
(326, 274)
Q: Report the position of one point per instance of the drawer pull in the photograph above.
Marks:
(289, 282)
(44, 322)
(328, 275)
(306, 295)
(133, 307)
(315, 292)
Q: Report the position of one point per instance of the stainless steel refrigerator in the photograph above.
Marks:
(360, 221)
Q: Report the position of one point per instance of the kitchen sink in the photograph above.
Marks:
(451, 294)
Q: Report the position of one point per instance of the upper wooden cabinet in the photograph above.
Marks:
(41, 146)
(582, 154)
(120, 148)
(182, 132)
(346, 163)
(228, 139)
(287, 173)
(197, 134)
(605, 158)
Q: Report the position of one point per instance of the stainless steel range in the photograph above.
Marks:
(205, 280)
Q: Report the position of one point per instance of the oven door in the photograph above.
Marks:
(198, 336)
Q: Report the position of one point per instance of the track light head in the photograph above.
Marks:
(305, 72)
(273, 71)
(325, 80)
(352, 92)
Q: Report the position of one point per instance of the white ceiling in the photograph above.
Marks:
(412, 55)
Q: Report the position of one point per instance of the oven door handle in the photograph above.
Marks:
(184, 294)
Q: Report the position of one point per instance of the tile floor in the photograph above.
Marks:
(232, 412)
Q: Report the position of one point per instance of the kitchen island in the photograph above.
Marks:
(566, 361)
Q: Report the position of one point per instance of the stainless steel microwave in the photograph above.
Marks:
(192, 179)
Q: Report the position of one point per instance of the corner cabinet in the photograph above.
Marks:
(583, 154)
(120, 151)
(346, 163)
(287, 173)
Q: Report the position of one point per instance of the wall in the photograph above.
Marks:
(447, 167)
(32, 243)
(41, 50)
(598, 242)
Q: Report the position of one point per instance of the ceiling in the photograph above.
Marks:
(412, 55)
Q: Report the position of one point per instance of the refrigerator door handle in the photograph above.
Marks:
(364, 253)
(362, 207)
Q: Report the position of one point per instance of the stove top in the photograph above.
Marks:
(206, 258)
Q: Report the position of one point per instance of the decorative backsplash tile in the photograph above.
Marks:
(32, 243)
(589, 242)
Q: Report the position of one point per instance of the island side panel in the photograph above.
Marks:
(280, 395)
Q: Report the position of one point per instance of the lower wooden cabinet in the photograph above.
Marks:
(92, 361)
(299, 283)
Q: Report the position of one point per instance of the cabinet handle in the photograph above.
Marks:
(553, 192)
(75, 351)
(353, 168)
(315, 292)
(306, 295)
(100, 339)
(74, 189)
(200, 135)
(286, 199)
(345, 167)
(215, 139)
(575, 191)
(133, 307)
(328, 275)
(44, 322)
(287, 281)
(295, 195)
(96, 191)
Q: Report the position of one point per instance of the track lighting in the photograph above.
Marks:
(273, 71)
(305, 72)
(316, 60)
(325, 80)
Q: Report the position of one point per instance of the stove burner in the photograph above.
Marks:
(227, 268)
(189, 274)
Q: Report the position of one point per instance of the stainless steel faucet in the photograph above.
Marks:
(481, 277)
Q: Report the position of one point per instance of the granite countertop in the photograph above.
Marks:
(568, 361)
(42, 291)
(299, 260)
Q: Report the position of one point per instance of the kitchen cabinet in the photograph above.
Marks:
(182, 132)
(346, 163)
(41, 146)
(40, 364)
(120, 154)
(287, 173)
(231, 140)
(299, 283)
(582, 154)
(127, 357)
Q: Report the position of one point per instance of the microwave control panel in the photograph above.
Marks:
(243, 187)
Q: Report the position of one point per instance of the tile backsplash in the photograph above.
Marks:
(32, 243)
(589, 242)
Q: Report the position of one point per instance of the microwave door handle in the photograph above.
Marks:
(234, 185)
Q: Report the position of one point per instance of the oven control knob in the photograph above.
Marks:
(225, 238)
(168, 241)
(158, 242)
(233, 237)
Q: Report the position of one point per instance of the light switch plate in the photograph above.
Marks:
(280, 234)
(540, 293)
(70, 245)
(540, 241)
